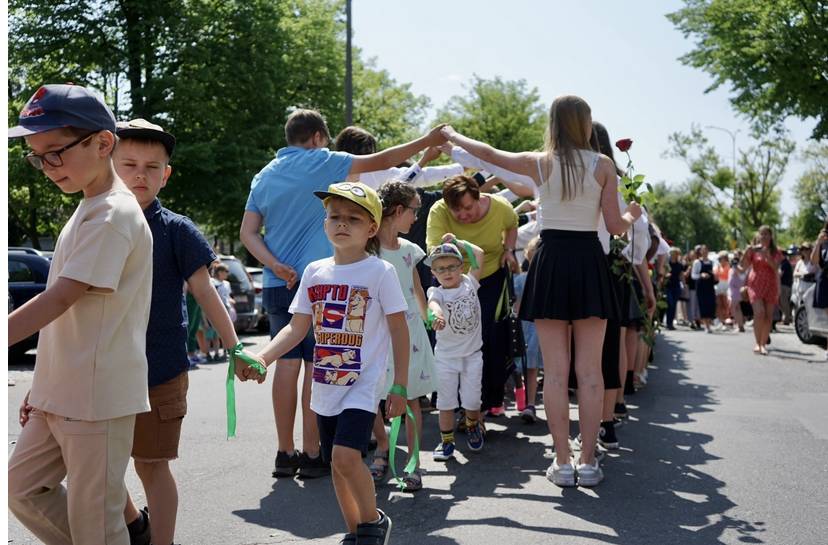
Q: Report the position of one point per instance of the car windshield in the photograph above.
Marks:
(239, 282)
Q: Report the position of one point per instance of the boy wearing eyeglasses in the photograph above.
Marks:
(90, 377)
(458, 359)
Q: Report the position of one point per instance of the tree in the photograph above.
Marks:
(506, 114)
(743, 200)
(221, 75)
(686, 220)
(811, 194)
(388, 109)
(773, 53)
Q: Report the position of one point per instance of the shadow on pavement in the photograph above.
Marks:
(654, 491)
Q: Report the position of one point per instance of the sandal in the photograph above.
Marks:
(379, 467)
(413, 481)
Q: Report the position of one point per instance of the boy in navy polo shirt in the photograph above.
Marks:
(180, 253)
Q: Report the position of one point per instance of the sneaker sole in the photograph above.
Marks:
(284, 472)
(590, 482)
(608, 446)
(443, 458)
(473, 449)
(313, 473)
(563, 483)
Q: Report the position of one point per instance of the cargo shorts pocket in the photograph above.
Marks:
(170, 416)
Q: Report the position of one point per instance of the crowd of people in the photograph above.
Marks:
(389, 286)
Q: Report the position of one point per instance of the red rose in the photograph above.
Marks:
(624, 144)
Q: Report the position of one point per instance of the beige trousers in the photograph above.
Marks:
(93, 457)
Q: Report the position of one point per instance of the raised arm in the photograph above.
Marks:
(616, 222)
(508, 177)
(390, 157)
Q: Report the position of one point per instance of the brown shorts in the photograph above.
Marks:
(158, 432)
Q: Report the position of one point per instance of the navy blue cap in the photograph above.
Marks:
(56, 106)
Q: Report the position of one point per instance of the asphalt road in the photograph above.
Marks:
(722, 447)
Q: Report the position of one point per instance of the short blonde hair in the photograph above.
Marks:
(531, 248)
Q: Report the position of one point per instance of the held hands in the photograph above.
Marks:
(25, 410)
(435, 136)
(448, 132)
(246, 372)
(446, 148)
(394, 405)
(286, 273)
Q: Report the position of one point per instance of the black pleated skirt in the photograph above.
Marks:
(569, 279)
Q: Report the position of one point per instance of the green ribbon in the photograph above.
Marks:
(237, 352)
(429, 321)
(470, 254)
(396, 422)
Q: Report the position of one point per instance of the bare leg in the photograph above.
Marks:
(554, 339)
(310, 431)
(589, 336)
(162, 498)
(531, 385)
(284, 402)
(354, 487)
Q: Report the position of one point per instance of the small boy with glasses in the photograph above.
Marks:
(90, 377)
(458, 359)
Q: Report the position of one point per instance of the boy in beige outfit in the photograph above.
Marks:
(90, 376)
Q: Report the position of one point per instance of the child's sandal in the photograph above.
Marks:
(413, 481)
(379, 467)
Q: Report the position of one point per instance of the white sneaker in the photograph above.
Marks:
(561, 475)
(590, 474)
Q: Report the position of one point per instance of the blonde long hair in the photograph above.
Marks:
(569, 118)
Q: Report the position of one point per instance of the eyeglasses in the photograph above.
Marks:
(415, 209)
(448, 268)
(53, 158)
(354, 189)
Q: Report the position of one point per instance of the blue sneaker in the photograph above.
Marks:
(475, 437)
(443, 452)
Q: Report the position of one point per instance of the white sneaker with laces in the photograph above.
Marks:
(590, 474)
(561, 475)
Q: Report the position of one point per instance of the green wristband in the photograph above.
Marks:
(236, 352)
(399, 390)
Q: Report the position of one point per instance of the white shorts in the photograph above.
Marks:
(463, 374)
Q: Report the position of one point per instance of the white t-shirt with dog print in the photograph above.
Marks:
(463, 334)
(348, 305)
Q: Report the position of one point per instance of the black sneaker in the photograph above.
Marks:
(286, 464)
(374, 533)
(606, 436)
(621, 410)
(312, 468)
(139, 529)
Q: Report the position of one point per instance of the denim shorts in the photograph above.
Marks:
(276, 302)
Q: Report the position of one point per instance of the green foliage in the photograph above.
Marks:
(221, 75)
(773, 53)
(506, 114)
(687, 220)
(390, 110)
(746, 199)
(811, 194)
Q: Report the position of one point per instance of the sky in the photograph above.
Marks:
(622, 57)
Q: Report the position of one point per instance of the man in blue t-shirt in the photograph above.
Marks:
(282, 201)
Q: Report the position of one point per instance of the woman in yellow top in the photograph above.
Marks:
(490, 222)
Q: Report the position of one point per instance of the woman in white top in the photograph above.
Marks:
(569, 281)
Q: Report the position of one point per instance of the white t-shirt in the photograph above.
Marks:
(462, 335)
(348, 305)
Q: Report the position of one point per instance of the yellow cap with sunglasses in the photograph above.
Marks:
(357, 193)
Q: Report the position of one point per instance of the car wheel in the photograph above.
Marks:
(801, 327)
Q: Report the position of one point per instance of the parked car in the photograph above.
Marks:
(243, 292)
(256, 273)
(28, 272)
(811, 325)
